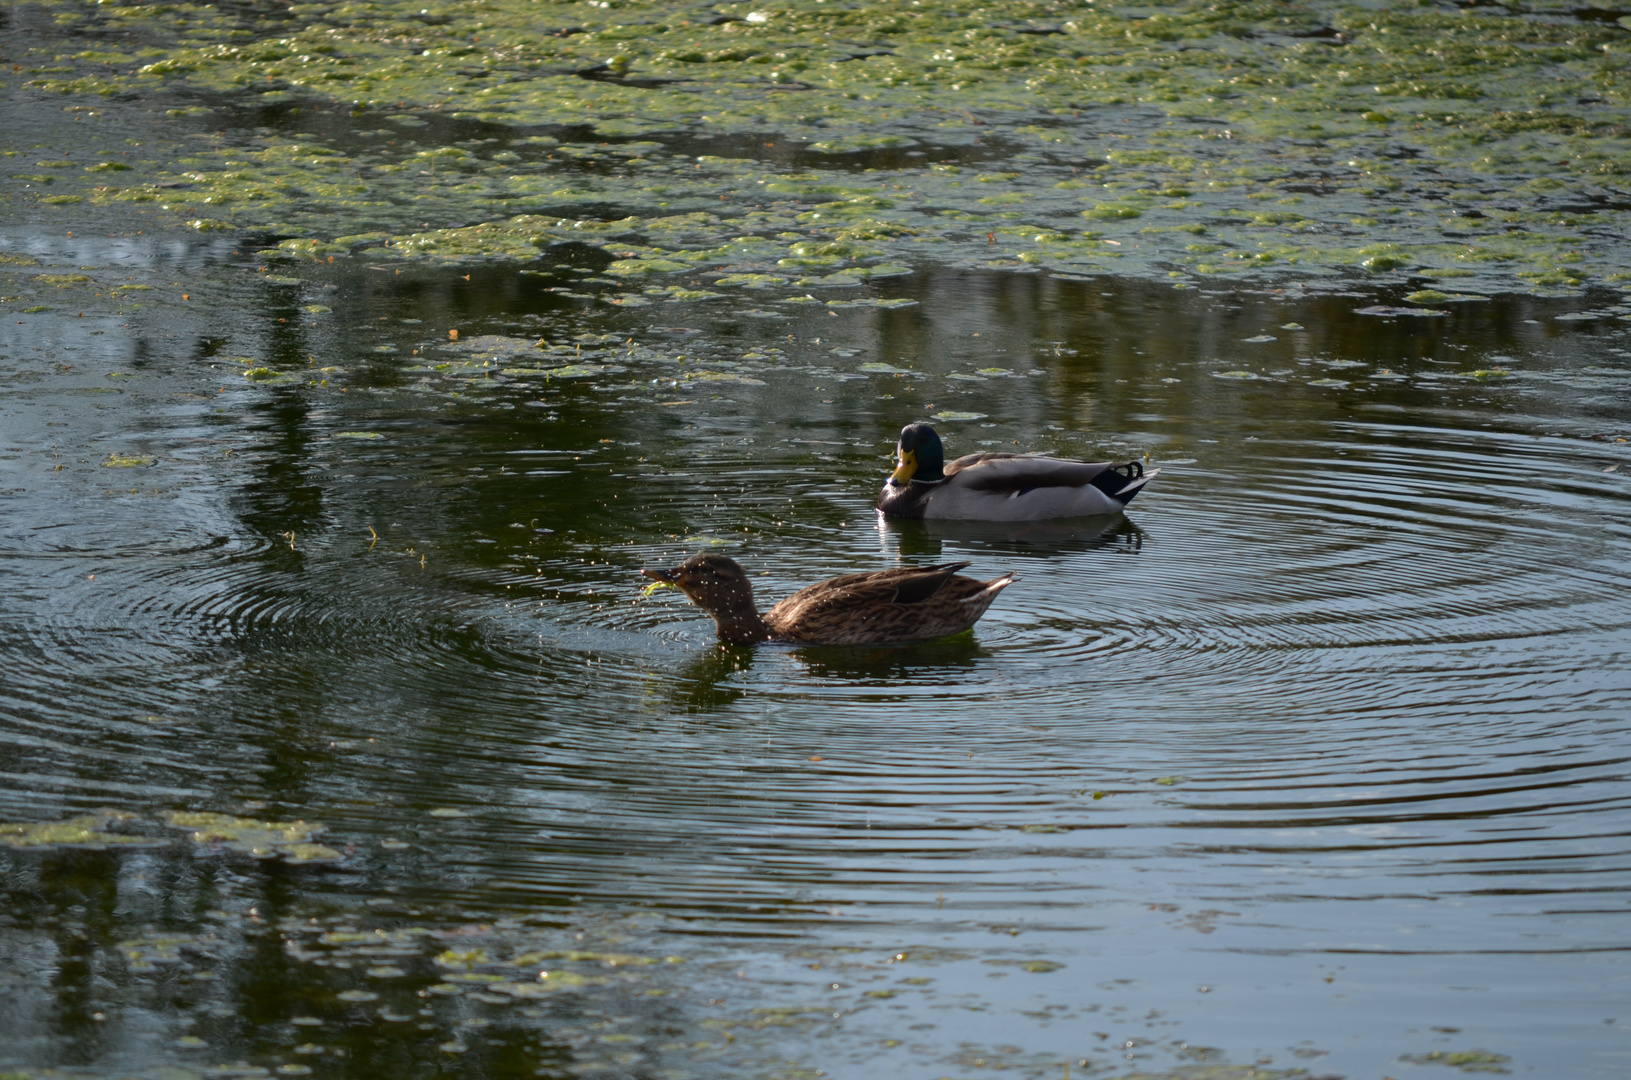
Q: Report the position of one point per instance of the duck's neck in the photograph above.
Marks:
(742, 627)
(738, 619)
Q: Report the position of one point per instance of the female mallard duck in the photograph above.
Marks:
(914, 603)
(1001, 487)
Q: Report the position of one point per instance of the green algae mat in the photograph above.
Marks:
(808, 143)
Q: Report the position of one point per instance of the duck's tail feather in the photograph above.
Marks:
(1133, 486)
(994, 586)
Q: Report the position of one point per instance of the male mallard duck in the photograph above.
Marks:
(914, 603)
(1001, 487)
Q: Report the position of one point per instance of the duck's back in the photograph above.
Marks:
(1008, 472)
(907, 604)
(1021, 487)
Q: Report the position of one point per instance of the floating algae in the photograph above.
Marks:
(566, 371)
(1470, 1061)
(870, 302)
(751, 281)
(486, 346)
(291, 840)
(1391, 140)
(155, 951)
(1035, 966)
(1434, 296)
(720, 377)
(128, 461)
(88, 832)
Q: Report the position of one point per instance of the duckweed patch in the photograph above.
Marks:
(1036, 967)
(576, 371)
(1434, 296)
(873, 302)
(128, 461)
(290, 840)
(1468, 1061)
(1415, 143)
(88, 832)
(602, 363)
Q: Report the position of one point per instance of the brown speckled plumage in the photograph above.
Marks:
(914, 603)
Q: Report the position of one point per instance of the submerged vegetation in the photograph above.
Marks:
(1479, 146)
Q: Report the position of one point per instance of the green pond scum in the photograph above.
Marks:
(821, 143)
(1468, 1061)
(292, 841)
(88, 832)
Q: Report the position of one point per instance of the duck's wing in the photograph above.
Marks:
(884, 588)
(888, 607)
(915, 584)
(1013, 474)
(903, 585)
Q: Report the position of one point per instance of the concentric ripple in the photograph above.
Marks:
(1334, 722)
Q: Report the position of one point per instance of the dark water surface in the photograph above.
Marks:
(1315, 759)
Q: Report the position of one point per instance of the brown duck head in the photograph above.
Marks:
(720, 587)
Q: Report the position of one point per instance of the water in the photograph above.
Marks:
(1313, 759)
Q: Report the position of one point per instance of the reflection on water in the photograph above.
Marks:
(711, 680)
(1315, 757)
(949, 658)
(1028, 538)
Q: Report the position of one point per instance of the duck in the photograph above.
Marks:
(1001, 487)
(886, 607)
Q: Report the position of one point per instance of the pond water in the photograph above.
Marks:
(354, 358)
(1314, 759)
